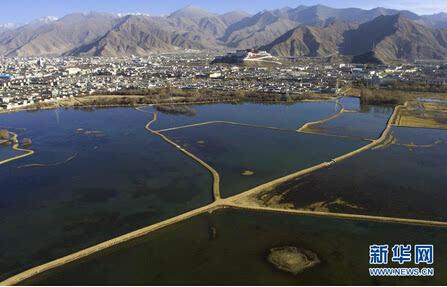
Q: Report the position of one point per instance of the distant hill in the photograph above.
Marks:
(438, 20)
(195, 19)
(316, 31)
(320, 15)
(257, 30)
(311, 41)
(396, 38)
(55, 38)
(266, 26)
(232, 17)
(140, 36)
(385, 39)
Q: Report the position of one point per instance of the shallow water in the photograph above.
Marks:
(351, 103)
(406, 179)
(121, 178)
(286, 116)
(229, 247)
(368, 123)
(432, 100)
(7, 152)
(266, 154)
(98, 174)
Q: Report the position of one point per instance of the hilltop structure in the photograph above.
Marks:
(243, 56)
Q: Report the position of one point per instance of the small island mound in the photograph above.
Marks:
(292, 259)
(10, 138)
(4, 136)
(248, 173)
(176, 109)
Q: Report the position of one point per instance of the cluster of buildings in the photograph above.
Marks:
(25, 82)
(247, 56)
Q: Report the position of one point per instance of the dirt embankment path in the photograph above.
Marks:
(16, 146)
(307, 128)
(214, 173)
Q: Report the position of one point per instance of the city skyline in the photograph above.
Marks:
(43, 8)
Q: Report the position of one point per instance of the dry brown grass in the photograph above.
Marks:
(395, 97)
(424, 115)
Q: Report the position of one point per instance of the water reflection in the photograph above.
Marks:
(236, 253)
(121, 179)
(405, 178)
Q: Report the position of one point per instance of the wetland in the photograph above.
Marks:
(238, 253)
(98, 174)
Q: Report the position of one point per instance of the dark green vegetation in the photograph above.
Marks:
(406, 179)
(159, 95)
(167, 96)
(230, 247)
(396, 94)
(176, 109)
(382, 96)
(417, 86)
(268, 154)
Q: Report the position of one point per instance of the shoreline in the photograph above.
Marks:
(309, 125)
(90, 102)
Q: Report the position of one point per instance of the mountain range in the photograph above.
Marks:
(376, 35)
(385, 39)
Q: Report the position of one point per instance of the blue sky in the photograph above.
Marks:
(21, 11)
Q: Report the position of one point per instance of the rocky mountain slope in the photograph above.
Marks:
(311, 41)
(394, 38)
(375, 34)
(56, 38)
(142, 35)
(385, 39)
